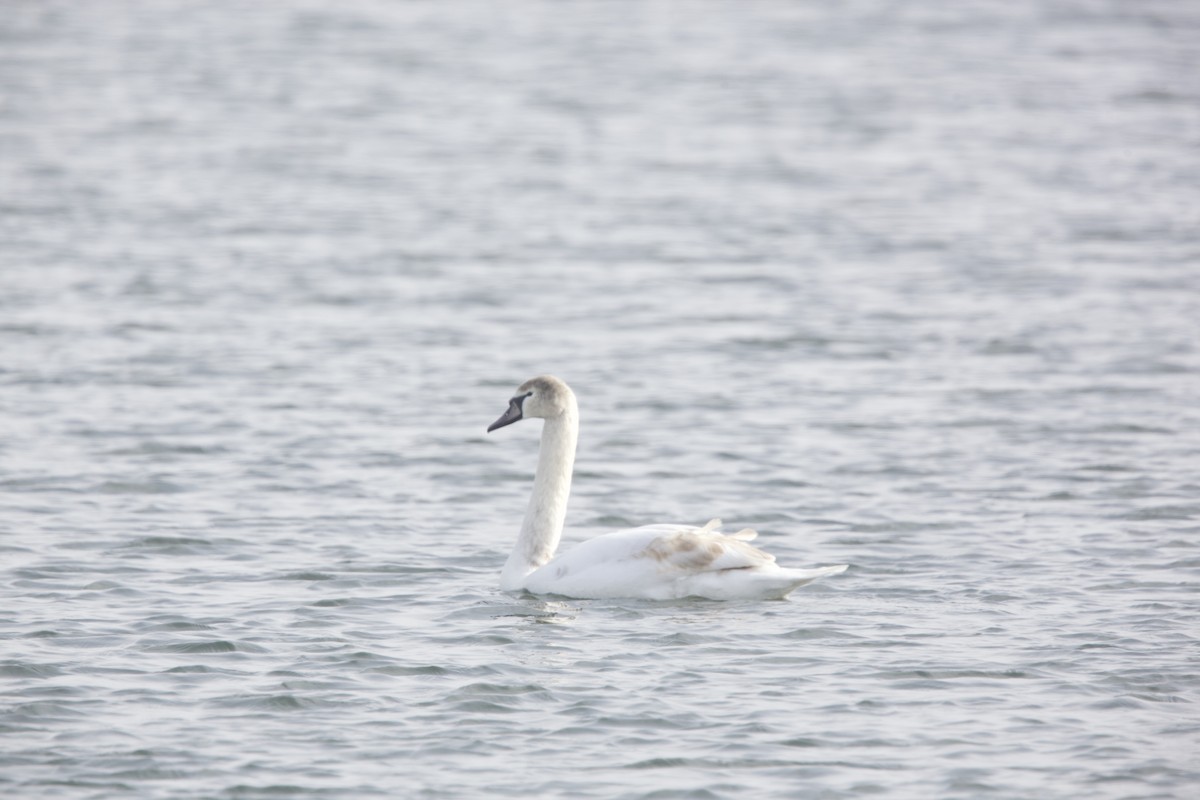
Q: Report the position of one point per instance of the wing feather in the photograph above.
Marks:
(705, 549)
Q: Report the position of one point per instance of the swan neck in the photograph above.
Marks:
(543, 525)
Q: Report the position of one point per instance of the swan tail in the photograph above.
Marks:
(792, 579)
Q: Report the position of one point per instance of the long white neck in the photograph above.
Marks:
(543, 525)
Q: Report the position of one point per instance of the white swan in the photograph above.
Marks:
(654, 562)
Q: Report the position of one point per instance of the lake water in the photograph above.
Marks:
(909, 286)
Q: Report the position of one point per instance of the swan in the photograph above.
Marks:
(652, 562)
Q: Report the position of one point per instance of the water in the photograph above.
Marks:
(912, 287)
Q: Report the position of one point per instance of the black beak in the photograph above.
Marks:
(513, 414)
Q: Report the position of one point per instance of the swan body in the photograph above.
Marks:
(653, 562)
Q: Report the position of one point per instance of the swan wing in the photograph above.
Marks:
(692, 550)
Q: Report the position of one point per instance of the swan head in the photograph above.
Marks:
(544, 396)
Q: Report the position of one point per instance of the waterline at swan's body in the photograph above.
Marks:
(654, 562)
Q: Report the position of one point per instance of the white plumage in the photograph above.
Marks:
(653, 562)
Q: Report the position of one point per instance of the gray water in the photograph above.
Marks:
(909, 286)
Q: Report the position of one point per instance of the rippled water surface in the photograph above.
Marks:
(909, 286)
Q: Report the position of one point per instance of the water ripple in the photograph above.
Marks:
(911, 287)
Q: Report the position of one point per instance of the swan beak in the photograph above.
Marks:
(513, 414)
